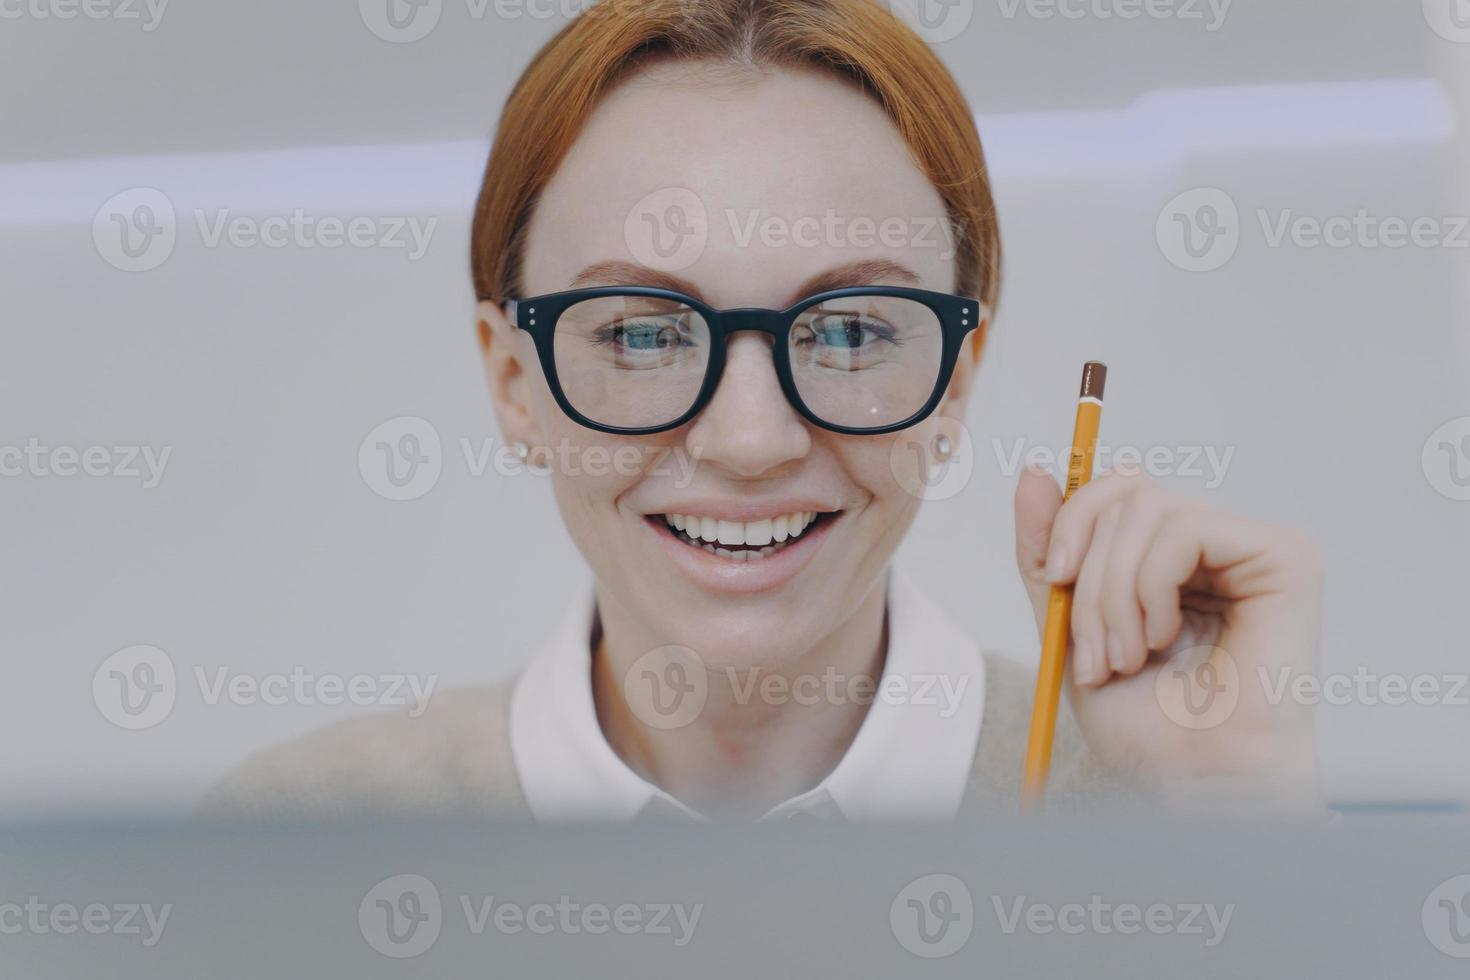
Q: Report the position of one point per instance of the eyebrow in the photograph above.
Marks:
(631, 274)
(863, 272)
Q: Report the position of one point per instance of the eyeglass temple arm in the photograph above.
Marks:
(511, 306)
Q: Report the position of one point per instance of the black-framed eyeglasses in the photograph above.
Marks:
(639, 359)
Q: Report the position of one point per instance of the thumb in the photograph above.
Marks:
(1038, 498)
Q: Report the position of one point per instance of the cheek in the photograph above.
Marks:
(886, 467)
(590, 470)
(590, 473)
(899, 471)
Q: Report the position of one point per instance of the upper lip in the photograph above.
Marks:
(745, 509)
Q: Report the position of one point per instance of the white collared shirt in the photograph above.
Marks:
(911, 758)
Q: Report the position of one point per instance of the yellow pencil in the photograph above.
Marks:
(1059, 604)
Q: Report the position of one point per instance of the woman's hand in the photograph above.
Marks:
(1185, 621)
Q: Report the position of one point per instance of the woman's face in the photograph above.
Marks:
(804, 185)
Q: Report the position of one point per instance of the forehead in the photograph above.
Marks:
(758, 181)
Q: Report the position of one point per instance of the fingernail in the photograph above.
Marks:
(1056, 562)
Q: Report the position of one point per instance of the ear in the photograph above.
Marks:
(966, 367)
(505, 369)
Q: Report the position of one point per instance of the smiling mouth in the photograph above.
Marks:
(744, 540)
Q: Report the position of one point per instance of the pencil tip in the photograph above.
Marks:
(1094, 377)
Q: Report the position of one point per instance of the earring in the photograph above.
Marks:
(537, 467)
(942, 446)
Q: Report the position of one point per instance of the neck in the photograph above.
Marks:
(767, 731)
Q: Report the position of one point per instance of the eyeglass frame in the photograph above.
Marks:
(957, 315)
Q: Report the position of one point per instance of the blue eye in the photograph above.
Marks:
(642, 336)
(646, 336)
(848, 330)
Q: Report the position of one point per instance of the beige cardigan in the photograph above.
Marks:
(455, 760)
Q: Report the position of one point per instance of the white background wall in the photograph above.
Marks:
(1323, 370)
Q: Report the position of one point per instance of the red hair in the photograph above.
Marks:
(860, 40)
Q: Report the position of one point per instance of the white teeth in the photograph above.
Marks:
(758, 533)
(760, 538)
(732, 532)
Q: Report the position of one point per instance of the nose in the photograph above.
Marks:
(748, 427)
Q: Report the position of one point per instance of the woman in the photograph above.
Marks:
(666, 173)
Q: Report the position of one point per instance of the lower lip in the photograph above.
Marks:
(737, 575)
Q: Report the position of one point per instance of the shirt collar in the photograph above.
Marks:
(911, 758)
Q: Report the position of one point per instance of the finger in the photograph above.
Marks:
(1089, 633)
(1141, 515)
(1199, 547)
(1037, 499)
(1172, 560)
(1072, 530)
